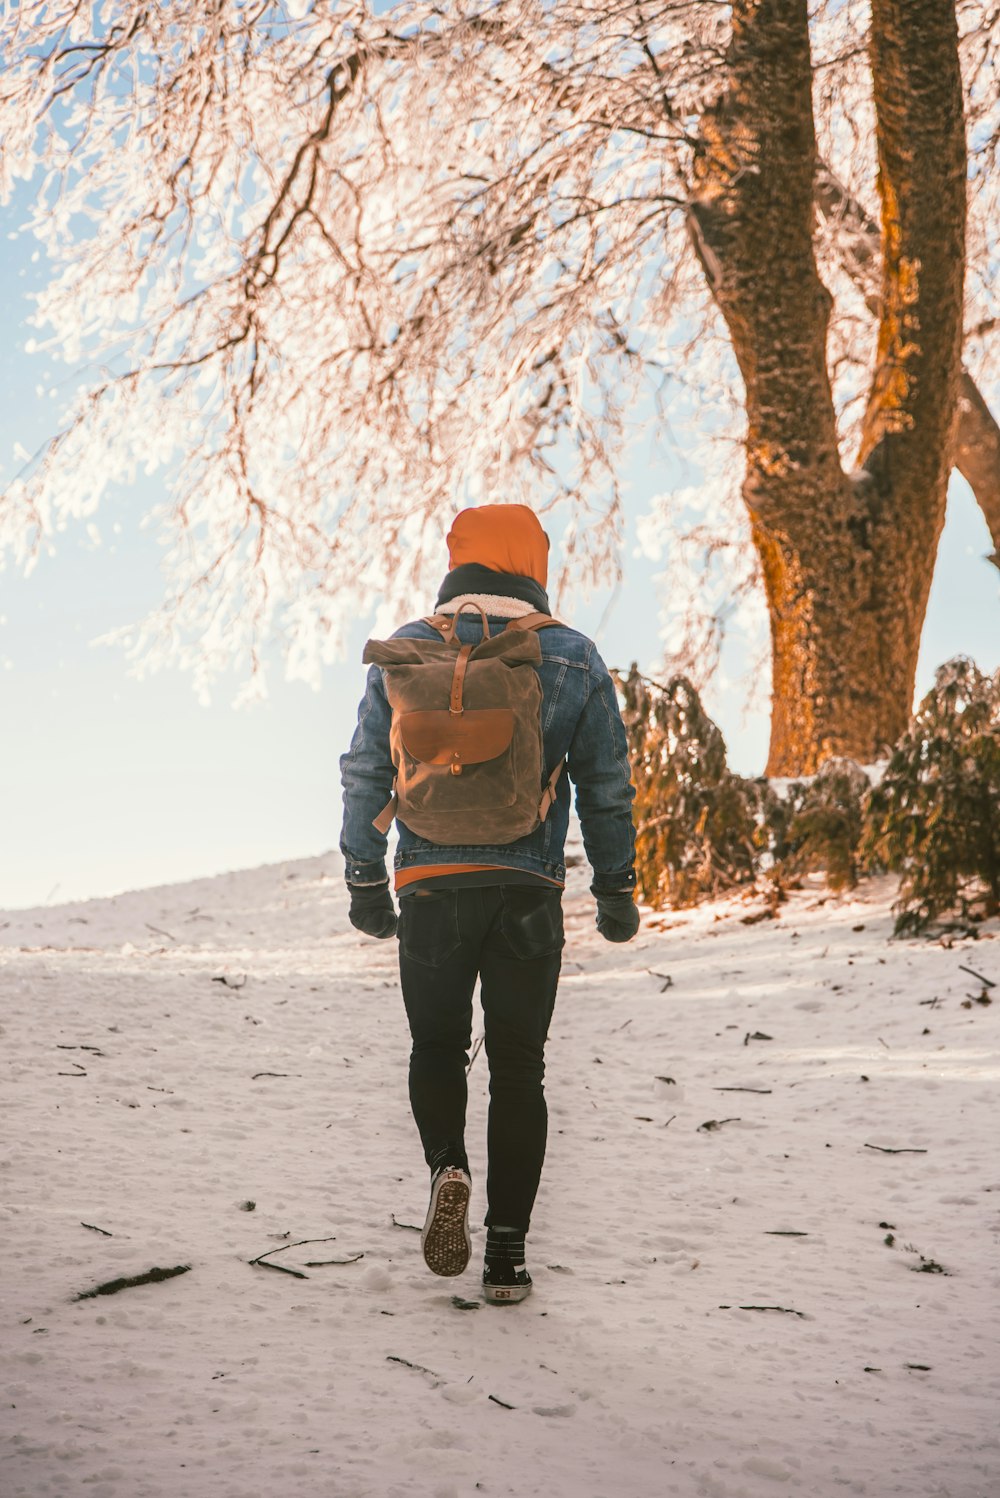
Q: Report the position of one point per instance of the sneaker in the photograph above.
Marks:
(505, 1279)
(445, 1239)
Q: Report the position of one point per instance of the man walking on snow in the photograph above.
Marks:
(490, 909)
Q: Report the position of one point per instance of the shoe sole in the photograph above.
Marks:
(505, 1295)
(445, 1239)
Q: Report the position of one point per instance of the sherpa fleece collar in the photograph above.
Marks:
(493, 604)
(472, 579)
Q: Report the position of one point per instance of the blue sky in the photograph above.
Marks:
(109, 783)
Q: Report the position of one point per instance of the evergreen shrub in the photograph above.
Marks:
(698, 826)
(935, 816)
(817, 827)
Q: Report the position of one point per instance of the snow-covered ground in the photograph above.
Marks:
(741, 1288)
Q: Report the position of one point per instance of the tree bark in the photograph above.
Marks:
(846, 560)
(976, 452)
(977, 455)
(907, 439)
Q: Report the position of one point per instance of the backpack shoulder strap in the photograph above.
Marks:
(534, 621)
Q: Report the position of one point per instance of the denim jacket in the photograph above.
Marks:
(581, 724)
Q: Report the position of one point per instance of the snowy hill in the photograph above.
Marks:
(764, 1251)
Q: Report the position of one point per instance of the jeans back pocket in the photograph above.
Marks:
(428, 926)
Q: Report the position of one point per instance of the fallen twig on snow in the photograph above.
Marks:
(475, 1052)
(128, 1282)
(417, 1367)
(262, 1261)
(231, 982)
(785, 1310)
(281, 1268)
(884, 1150)
(757, 1035)
(764, 1091)
(715, 1123)
(320, 1263)
(158, 931)
(259, 1074)
(103, 1231)
(971, 970)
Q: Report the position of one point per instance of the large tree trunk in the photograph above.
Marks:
(976, 447)
(847, 561)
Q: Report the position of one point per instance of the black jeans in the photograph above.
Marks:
(511, 938)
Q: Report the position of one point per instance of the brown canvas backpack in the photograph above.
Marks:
(466, 732)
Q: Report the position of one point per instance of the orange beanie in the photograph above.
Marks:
(505, 538)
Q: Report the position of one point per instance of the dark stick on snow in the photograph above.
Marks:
(784, 1233)
(158, 931)
(715, 1123)
(501, 1403)
(281, 1268)
(764, 1091)
(151, 1277)
(475, 1052)
(80, 1071)
(300, 1243)
(417, 1367)
(103, 1231)
(971, 970)
(785, 1310)
(231, 982)
(258, 1074)
(882, 1149)
(668, 982)
(321, 1263)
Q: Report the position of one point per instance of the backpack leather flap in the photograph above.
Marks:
(405, 652)
(513, 647)
(437, 737)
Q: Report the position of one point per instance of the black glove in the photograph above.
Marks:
(372, 910)
(617, 917)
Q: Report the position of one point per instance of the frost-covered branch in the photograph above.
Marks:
(337, 272)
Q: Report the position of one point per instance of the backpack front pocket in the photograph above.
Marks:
(457, 762)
